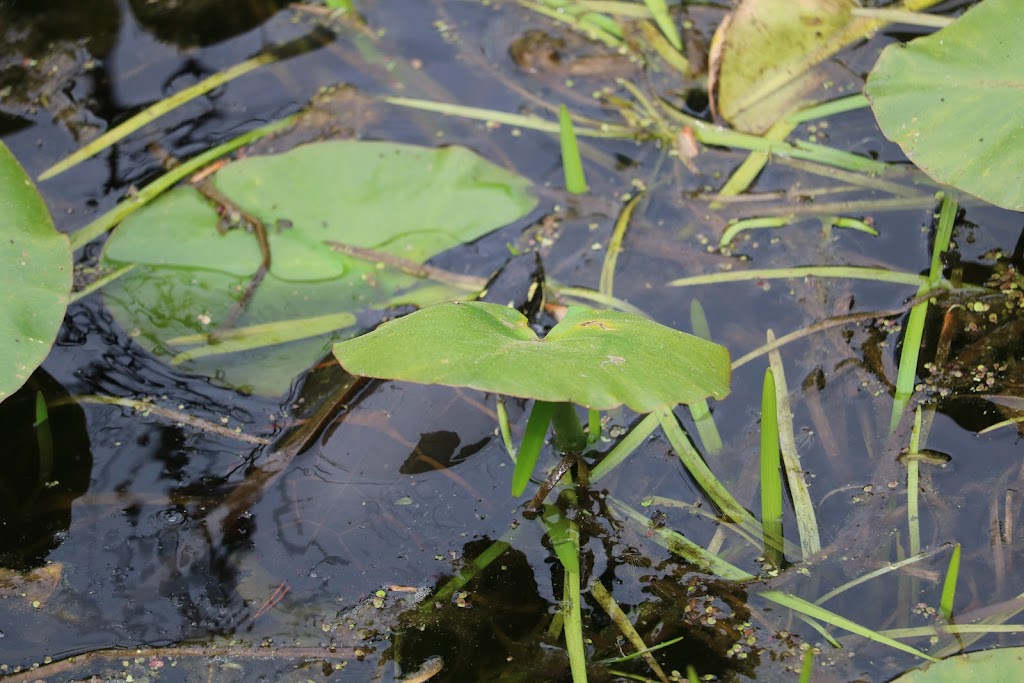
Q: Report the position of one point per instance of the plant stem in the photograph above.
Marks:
(569, 436)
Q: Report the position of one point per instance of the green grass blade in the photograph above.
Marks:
(504, 427)
(479, 563)
(659, 10)
(871, 575)
(101, 282)
(745, 175)
(949, 584)
(821, 614)
(807, 666)
(736, 227)
(622, 450)
(593, 426)
(678, 544)
(565, 539)
(826, 109)
(848, 272)
(529, 448)
(700, 411)
(625, 626)
(913, 472)
(607, 280)
(906, 376)
(572, 164)
(803, 506)
(155, 111)
(771, 476)
(259, 336)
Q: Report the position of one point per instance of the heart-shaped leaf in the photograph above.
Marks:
(596, 359)
(35, 276)
(952, 102)
(407, 201)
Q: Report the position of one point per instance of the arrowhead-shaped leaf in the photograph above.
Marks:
(596, 359)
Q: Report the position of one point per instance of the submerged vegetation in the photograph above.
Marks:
(683, 151)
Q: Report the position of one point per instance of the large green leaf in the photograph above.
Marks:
(412, 202)
(596, 359)
(992, 666)
(35, 276)
(952, 102)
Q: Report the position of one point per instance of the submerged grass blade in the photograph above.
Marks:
(479, 563)
(736, 227)
(659, 10)
(863, 578)
(625, 626)
(771, 477)
(744, 176)
(949, 584)
(803, 507)
(101, 282)
(529, 448)
(913, 472)
(848, 272)
(572, 164)
(700, 411)
(606, 282)
(807, 666)
(622, 450)
(821, 614)
(155, 111)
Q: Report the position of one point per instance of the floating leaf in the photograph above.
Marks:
(994, 666)
(597, 359)
(767, 52)
(35, 276)
(952, 102)
(407, 201)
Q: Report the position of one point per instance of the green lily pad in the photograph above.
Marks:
(596, 359)
(992, 666)
(952, 102)
(407, 201)
(35, 276)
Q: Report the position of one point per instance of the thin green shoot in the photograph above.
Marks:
(155, 111)
(949, 584)
(850, 223)
(569, 435)
(592, 24)
(147, 194)
(708, 482)
(672, 56)
(625, 447)
(505, 427)
(565, 539)
(633, 655)
(902, 16)
(44, 441)
(807, 666)
(734, 228)
(659, 10)
(771, 476)
(468, 573)
(691, 674)
(593, 426)
(913, 472)
(505, 118)
(700, 411)
(258, 336)
(679, 545)
(913, 332)
(743, 177)
(606, 283)
(813, 611)
(803, 507)
(755, 540)
(813, 623)
(594, 296)
(572, 164)
(625, 626)
(848, 272)
(895, 566)
(831, 108)
(529, 448)
(101, 282)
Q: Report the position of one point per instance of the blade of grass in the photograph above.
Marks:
(625, 626)
(593, 426)
(672, 56)
(565, 539)
(572, 164)
(157, 110)
(504, 427)
(622, 450)
(807, 666)
(465, 575)
(678, 544)
(771, 477)
(700, 411)
(913, 472)
(111, 218)
(949, 584)
(518, 120)
(826, 109)
(849, 272)
(803, 508)
(529, 448)
(101, 282)
(743, 177)
(607, 280)
(737, 226)
(707, 481)
(813, 611)
(871, 575)
(659, 10)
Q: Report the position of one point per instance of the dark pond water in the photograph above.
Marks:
(227, 560)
